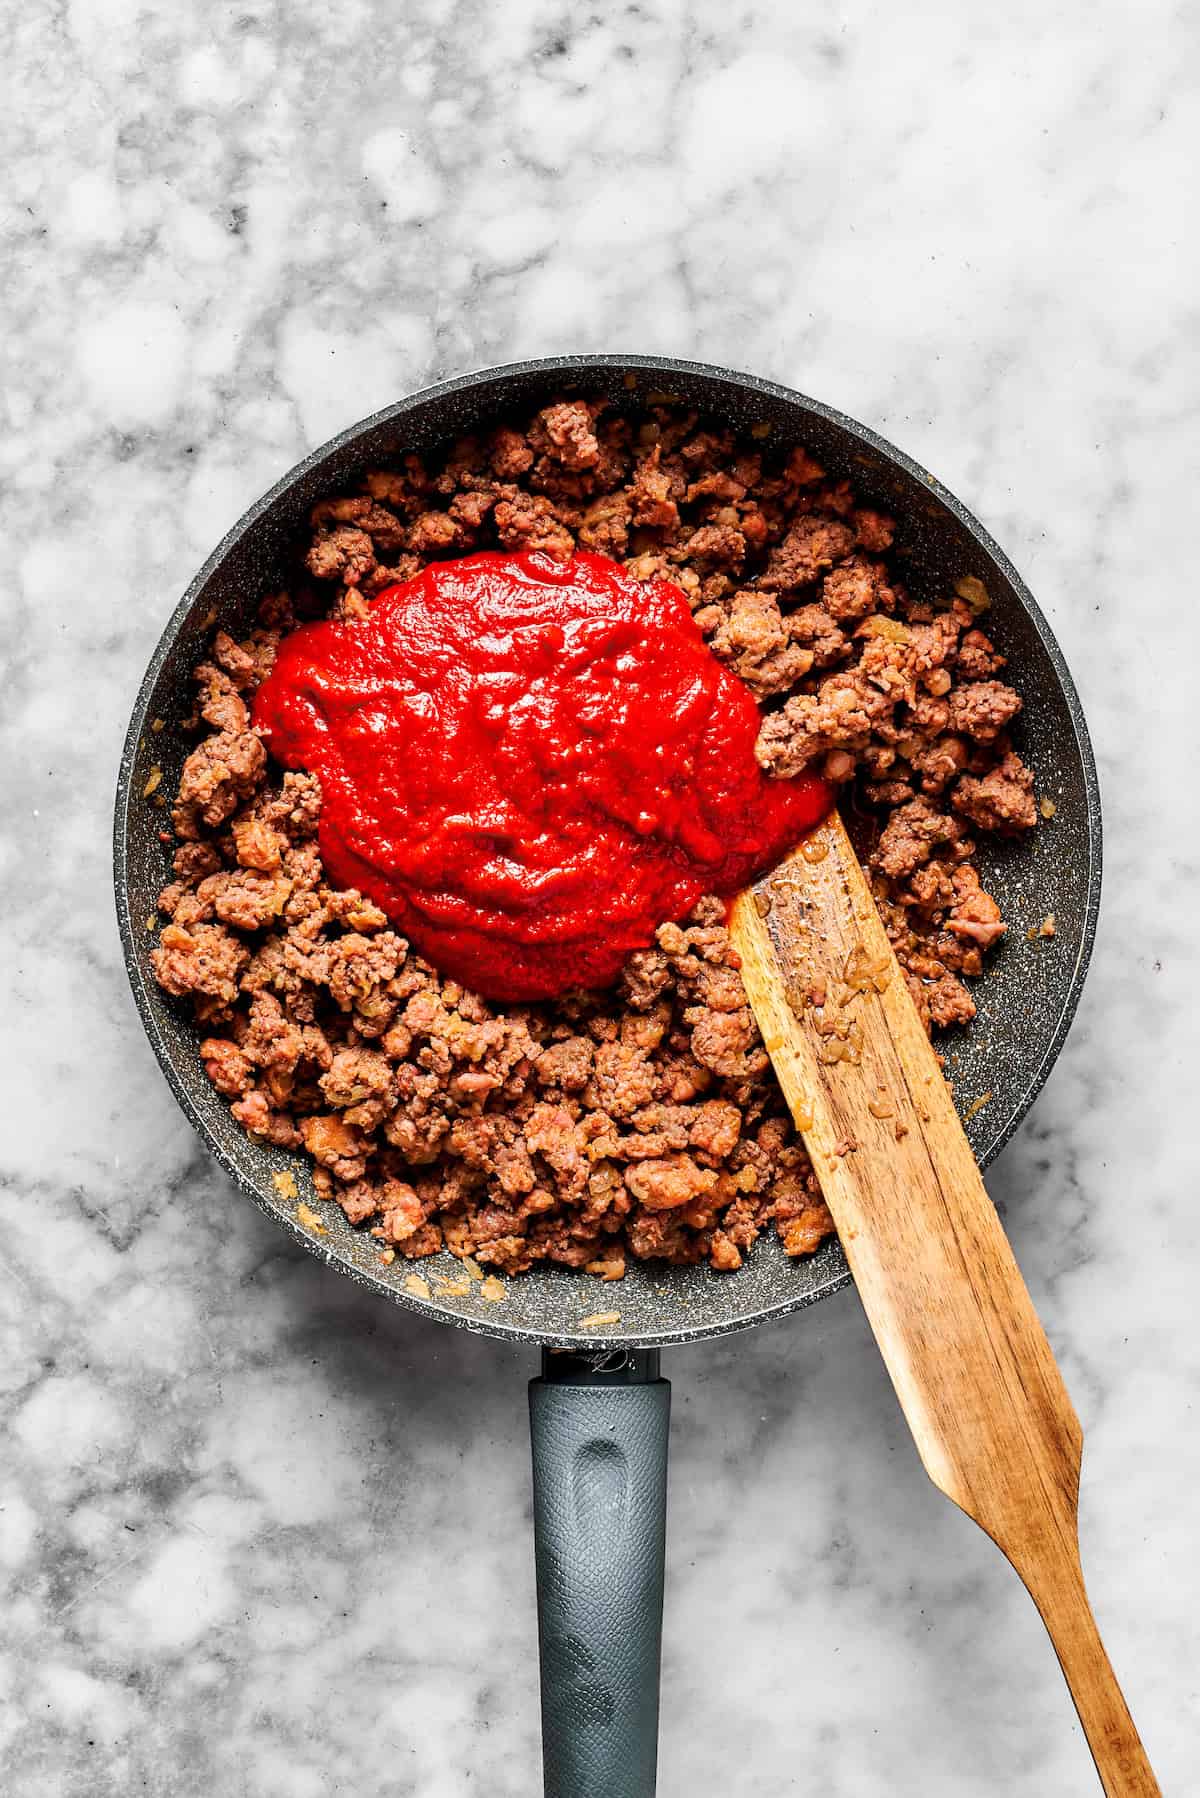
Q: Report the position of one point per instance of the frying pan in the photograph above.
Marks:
(599, 1411)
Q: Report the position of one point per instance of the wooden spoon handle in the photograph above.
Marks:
(967, 1354)
(1062, 1599)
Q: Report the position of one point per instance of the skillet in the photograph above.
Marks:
(599, 1411)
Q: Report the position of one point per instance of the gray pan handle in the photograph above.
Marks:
(599, 1425)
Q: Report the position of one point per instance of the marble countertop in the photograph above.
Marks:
(259, 1533)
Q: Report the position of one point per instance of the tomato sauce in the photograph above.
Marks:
(530, 765)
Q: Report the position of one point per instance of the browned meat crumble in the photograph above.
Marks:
(645, 1120)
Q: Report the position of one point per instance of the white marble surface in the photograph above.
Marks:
(261, 1534)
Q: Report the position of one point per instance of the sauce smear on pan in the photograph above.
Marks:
(530, 765)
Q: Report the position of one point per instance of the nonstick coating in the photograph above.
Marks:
(1026, 999)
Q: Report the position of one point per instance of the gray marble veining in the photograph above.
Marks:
(259, 1534)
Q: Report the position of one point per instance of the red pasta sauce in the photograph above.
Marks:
(530, 765)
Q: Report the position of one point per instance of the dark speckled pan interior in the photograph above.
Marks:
(1025, 1000)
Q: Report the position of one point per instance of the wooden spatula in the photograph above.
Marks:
(967, 1354)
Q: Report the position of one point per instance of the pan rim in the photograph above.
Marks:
(565, 367)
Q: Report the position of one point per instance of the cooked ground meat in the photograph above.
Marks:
(644, 1121)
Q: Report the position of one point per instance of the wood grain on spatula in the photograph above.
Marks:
(963, 1344)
